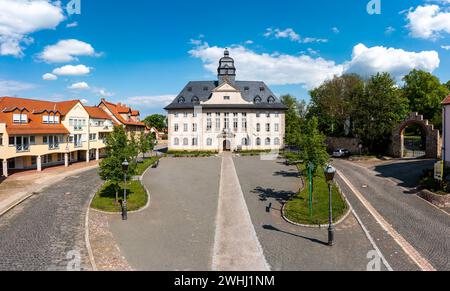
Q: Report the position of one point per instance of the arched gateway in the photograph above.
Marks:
(431, 137)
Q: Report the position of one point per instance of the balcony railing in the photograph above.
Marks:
(78, 145)
(22, 148)
(53, 147)
(78, 128)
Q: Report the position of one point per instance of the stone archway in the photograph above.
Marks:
(433, 148)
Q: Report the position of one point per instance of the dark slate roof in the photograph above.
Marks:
(249, 90)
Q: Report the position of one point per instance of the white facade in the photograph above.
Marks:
(226, 122)
(446, 134)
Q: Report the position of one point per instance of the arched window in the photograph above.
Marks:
(176, 141)
(258, 141)
(194, 141)
(245, 141)
(257, 100)
(258, 127)
(268, 141)
(271, 100)
(195, 100)
(209, 142)
(277, 141)
(181, 100)
(185, 142)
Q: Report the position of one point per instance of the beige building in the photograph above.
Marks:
(226, 115)
(35, 134)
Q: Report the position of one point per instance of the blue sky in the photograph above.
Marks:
(142, 53)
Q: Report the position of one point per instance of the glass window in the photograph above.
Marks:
(258, 127)
(267, 141)
(194, 141)
(209, 124)
(277, 127)
(258, 141)
(176, 141)
(209, 142)
(277, 141)
(176, 127)
(185, 142)
(268, 127)
(185, 127)
(194, 127)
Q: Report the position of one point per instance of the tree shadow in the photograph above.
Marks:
(408, 173)
(272, 228)
(287, 174)
(2, 179)
(280, 196)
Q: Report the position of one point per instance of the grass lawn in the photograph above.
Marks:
(104, 200)
(297, 210)
(142, 167)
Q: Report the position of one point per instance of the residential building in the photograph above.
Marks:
(35, 134)
(226, 115)
(125, 116)
(446, 131)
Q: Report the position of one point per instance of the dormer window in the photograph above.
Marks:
(50, 119)
(226, 98)
(189, 89)
(257, 100)
(271, 100)
(246, 89)
(181, 100)
(205, 88)
(262, 89)
(20, 118)
(195, 100)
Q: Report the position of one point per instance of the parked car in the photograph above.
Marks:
(341, 153)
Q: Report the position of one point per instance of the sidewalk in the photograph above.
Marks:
(20, 186)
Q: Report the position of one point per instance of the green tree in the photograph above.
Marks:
(146, 143)
(157, 121)
(378, 111)
(448, 85)
(118, 150)
(311, 145)
(293, 119)
(332, 104)
(425, 94)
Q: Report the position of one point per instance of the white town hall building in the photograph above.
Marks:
(226, 115)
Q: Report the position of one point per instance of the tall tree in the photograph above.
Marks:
(378, 111)
(293, 119)
(332, 103)
(157, 121)
(311, 145)
(448, 85)
(146, 143)
(118, 150)
(425, 94)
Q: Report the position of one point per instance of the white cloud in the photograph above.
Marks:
(84, 101)
(389, 30)
(49, 77)
(66, 51)
(249, 41)
(79, 86)
(103, 92)
(428, 22)
(290, 34)
(368, 61)
(335, 30)
(70, 70)
(72, 24)
(311, 71)
(275, 69)
(445, 47)
(18, 18)
(10, 87)
(151, 101)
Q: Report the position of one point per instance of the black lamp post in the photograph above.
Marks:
(330, 172)
(125, 166)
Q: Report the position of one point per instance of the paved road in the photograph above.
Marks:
(387, 188)
(39, 234)
(177, 231)
(288, 247)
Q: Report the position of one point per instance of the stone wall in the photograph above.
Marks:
(351, 144)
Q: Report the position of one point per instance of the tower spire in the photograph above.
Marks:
(226, 70)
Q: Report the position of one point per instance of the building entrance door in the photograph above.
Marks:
(226, 146)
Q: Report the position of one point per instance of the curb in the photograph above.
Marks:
(86, 235)
(130, 212)
(29, 195)
(312, 226)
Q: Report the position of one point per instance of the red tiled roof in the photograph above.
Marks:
(34, 109)
(446, 101)
(118, 109)
(96, 112)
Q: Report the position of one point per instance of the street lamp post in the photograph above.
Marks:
(125, 166)
(330, 172)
